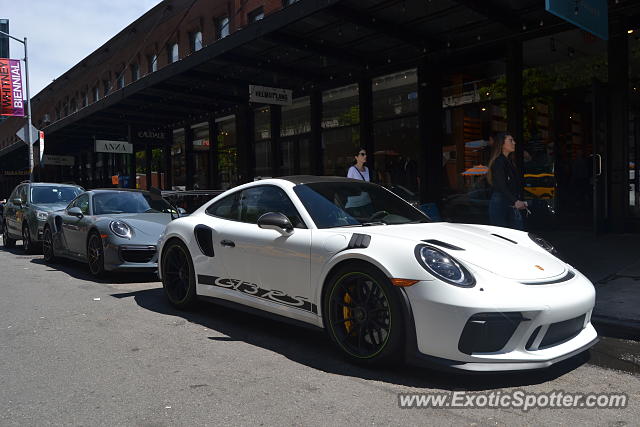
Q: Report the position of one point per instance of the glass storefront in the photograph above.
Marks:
(395, 130)
(178, 161)
(227, 152)
(262, 138)
(201, 146)
(340, 129)
(295, 138)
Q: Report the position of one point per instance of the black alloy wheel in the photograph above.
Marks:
(178, 276)
(7, 241)
(47, 246)
(27, 244)
(364, 314)
(95, 255)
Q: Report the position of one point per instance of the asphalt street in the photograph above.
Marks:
(75, 351)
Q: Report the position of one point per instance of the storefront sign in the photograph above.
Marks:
(16, 173)
(11, 99)
(150, 136)
(270, 95)
(54, 160)
(590, 15)
(119, 147)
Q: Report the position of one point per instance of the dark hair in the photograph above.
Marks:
(357, 153)
(496, 151)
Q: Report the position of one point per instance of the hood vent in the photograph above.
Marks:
(504, 238)
(443, 244)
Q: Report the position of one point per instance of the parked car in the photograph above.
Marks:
(110, 229)
(26, 211)
(383, 280)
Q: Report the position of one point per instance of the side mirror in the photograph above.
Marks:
(275, 221)
(75, 211)
(182, 212)
(17, 201)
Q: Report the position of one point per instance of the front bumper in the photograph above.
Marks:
(541, 324)
(130, 257)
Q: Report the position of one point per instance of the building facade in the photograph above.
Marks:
(420, 85)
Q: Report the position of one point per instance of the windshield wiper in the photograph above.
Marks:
(366, 224)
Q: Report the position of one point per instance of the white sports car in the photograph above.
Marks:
(383, 280)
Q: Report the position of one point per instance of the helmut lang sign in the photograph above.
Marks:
(270, 95)
(106, 146)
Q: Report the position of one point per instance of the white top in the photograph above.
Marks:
(356, 174)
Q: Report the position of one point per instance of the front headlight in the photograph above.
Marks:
(42, 215)
(444, 267)
(543, 244)
(120, 229)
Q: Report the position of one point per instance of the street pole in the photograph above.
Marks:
(27, 131)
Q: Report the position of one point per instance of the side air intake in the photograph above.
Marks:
(204, 237)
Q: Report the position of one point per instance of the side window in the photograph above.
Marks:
(226, 208)
(257, 201)
(14, 194)
(83, 203)
(22, 193)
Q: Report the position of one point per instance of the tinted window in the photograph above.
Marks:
(118, 202)
(81, 202)
(257, 201)
(22, 193)
(42, 195)
(226, 208)
(336, 204)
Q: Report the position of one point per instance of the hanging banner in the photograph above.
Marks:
(11, 99)
(590, 15)
(270, 95)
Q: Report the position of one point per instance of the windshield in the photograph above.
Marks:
(118, 202)
(339, 204)
(42, 195)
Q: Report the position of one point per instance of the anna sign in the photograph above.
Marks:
(11, 99)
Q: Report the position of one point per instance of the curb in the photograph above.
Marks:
(617, 328)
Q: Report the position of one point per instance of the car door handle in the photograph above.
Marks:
(228, 243)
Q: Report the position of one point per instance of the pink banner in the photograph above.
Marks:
(11, 89)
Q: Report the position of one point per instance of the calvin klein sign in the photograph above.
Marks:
(119, 147)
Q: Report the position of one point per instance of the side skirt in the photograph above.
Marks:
(258, 312)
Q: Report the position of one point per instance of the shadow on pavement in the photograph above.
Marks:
(80, 271)
(312, 348)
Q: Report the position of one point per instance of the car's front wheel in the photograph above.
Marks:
(47, 246)
(27, 243)
(178, 275)
(95, 255)
(363, 314)
(7, 241)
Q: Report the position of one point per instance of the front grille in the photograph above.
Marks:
(137, 254)
(562, 331)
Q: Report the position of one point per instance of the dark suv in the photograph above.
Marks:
(26, 211)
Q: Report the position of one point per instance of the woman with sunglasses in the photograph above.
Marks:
(359, 170)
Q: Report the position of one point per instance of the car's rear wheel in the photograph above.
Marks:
(178, 275)
(27, 243)
(7, 241)
(47, 246)
(363, 314)
(95, 255)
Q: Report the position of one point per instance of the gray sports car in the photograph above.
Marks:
(111, 229)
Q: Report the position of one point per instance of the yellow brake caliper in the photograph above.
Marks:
(346, 313)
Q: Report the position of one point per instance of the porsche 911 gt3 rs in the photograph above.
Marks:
(382, 279)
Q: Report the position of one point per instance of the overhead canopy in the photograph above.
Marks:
(310, 45)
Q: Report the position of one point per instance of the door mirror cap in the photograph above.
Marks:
(17, 201)
(75, 211)
(275, 221)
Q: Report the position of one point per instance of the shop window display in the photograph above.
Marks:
(340, 129)
(227, 152)
(201, 147)
(178, 161)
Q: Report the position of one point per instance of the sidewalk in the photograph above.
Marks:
(612, 263)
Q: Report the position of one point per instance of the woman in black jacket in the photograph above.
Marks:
(506, 205)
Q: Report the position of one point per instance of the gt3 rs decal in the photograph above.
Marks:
(301, 303)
